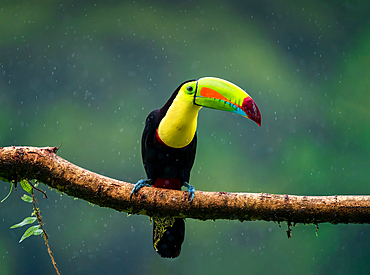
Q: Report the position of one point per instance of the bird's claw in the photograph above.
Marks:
(140, 184)
(191, 190)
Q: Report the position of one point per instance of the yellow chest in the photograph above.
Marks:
(178, 127)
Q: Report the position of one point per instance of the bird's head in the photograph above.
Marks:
(179, 115)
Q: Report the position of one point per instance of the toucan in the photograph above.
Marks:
(169, 142)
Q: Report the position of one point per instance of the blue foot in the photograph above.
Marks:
(140, 184)
(191, 190)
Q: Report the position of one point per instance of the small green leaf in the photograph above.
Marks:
(10, 191)
(27, 198)
(29, 232)
(26, 221)
(26, 186)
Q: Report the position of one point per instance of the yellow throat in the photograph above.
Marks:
(178, 127)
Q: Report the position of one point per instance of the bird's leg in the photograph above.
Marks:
(191, 190)
(139, 184)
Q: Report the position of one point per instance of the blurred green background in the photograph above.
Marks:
(87, 73)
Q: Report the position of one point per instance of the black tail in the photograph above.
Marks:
(168, 244)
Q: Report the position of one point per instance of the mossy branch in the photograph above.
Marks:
(44, 165)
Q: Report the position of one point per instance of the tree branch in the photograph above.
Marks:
(43, 164)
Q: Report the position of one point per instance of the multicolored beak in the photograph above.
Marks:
(216, 93)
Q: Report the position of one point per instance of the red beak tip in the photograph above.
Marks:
(251, 109)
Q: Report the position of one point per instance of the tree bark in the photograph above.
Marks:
(43, 164)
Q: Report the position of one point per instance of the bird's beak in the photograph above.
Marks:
(216, 93)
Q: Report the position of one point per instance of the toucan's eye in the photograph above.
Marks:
(189, 88)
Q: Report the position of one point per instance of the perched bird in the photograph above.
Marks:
(169, 142)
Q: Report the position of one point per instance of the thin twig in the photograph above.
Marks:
(37, 189)
(44, 235)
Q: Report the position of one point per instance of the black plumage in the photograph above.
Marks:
(166, 167)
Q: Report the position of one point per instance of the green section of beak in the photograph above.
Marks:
(216, 93)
